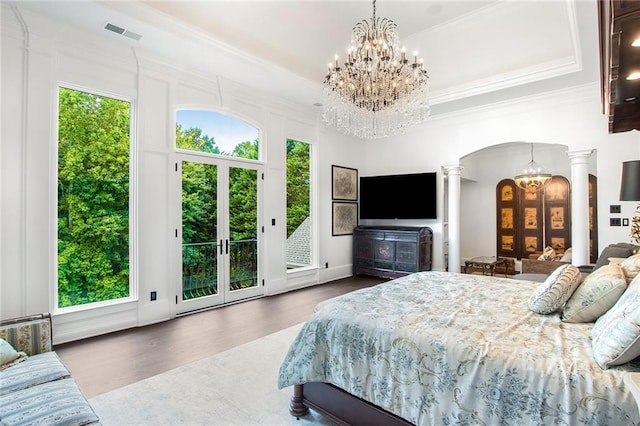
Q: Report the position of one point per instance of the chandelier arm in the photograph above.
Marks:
(374, 15)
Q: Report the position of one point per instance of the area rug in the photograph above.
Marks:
(235, 387)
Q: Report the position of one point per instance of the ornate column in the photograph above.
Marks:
(453, 216)
(580, 205)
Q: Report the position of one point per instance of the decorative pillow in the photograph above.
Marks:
(8, 355)
(598, 292)
(553, 293)
(615, 338)
(566, 257)
(631, 267)
(548, 254)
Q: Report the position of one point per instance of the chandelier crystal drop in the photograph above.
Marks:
(377, 92)
(534, 177)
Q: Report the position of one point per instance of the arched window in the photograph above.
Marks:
(216, 133)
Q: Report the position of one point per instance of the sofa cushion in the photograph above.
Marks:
(567, 255)
(598, 292)
(548, 254)
(54, 403)
(35, 370)
(32, 337)
(553, 293)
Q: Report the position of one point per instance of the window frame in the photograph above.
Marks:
(133, 201)
(220, 111)
(313, 214)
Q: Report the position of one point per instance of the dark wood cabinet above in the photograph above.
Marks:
(619, 28)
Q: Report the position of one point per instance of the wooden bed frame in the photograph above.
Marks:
(339, 406)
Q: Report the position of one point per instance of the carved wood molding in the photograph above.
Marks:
(619, 24)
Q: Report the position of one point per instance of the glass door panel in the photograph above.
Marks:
(199, 230)
(243, 232)
(219, 238)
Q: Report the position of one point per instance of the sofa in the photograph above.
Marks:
(35, 386)
(613, 251)
(536, 268)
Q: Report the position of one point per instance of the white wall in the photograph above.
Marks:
(37, 55)
(569, 118)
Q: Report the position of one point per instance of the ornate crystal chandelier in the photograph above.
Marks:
(533, 177)
(378, 92)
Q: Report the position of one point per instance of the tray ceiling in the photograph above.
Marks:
(470, 48)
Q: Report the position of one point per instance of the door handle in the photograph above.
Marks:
(220, 246)
(227, 246)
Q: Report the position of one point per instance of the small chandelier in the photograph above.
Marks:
(378, 92)
(533, 177)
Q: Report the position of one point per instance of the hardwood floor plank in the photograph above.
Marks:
(110, 361)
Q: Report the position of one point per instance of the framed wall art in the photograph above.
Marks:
(344, 183)
(344, 218)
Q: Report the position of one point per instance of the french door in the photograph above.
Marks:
(219, 235)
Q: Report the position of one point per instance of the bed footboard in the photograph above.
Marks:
(339, 406)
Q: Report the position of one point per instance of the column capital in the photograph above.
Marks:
(452, 169)
(576, 156)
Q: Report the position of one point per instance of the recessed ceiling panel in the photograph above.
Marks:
(505, 45)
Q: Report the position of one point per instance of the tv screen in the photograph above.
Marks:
(408, 196)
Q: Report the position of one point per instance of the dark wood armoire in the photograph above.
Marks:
(527, 222)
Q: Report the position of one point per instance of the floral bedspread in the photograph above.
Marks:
(440, 348)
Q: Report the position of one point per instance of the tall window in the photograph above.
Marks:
(299, 226)
(93, 198)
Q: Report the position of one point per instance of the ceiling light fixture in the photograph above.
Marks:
(533, 177)
(378, 92)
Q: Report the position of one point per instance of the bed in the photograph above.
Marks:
(445, 348)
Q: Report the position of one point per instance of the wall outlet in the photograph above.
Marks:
(614, 208)
(154, 295)
(614, 221)
(625, 221)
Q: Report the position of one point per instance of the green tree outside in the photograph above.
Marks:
(298, 184)
(93, 198)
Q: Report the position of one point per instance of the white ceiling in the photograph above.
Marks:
(475, 52)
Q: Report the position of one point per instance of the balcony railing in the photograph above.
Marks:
(200, 267)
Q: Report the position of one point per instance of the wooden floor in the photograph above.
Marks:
(107, 362)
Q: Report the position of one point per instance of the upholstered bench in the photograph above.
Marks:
(36, 388)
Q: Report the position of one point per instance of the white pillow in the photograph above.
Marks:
(631, 267)
(552, 294)
(615, 338)
(598, 292)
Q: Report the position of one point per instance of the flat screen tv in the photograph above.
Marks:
(406, 196)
